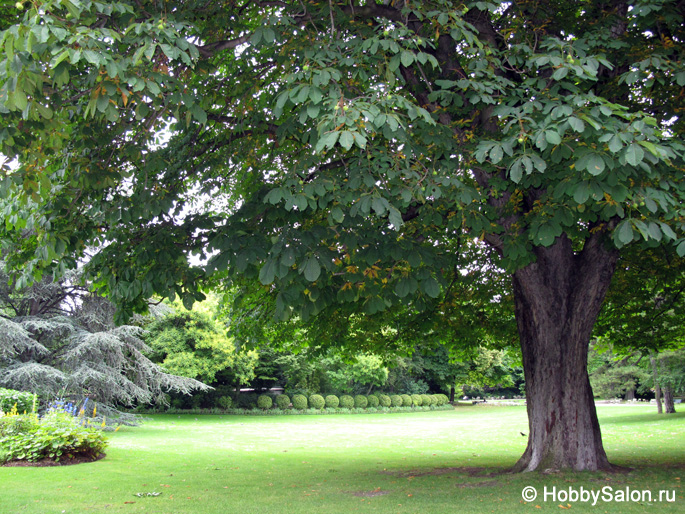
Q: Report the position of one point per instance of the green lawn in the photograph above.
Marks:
(432, 462)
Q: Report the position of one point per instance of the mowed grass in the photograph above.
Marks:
(423, 463)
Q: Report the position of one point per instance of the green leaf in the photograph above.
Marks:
(576, 124)
(625, 232)
(288, 257)
(516, 171)
(199, 114)
(582, 193)
(681, 249)
(559, 73)
(328, 140)
(337, 214)
(431, 287)
(395, 217)
(407, 57)
(595, 164)
(634, 154)
(346, 139)
(406, 286)
(553, 137)
(615, 144)
(496, 154)
(546, 235)
(311, 269)
(268, 271)
(668, 231)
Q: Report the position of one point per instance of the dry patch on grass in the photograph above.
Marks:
(461, 470)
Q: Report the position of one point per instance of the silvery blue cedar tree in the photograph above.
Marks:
(336, 150)
(58, 341)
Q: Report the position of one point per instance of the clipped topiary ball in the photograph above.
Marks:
(426, 399)
(316, 401)
(332, 401)
(396, 400)
(373, 400)
(264, 401)
(346, 401)
(385, 400)
(406, 400)
(436, 399)
(299, 401)
(283, 401)
(360, 401)
(416, 399)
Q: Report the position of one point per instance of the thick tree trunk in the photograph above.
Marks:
(669, 406)
(657, 387)
(452, 392)
(557, 301)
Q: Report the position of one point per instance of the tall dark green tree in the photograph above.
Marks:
(341, 152)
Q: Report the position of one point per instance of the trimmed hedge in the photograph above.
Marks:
(299, 401)
(416, 400)
(264, 401)
(332, 401)
(396, 400)
(426, 399)
(316, 401)
(283, 401)
(23, 400)
(406, 400)
(346, 402)
(373, 400)
(360, 401)
(385, 400)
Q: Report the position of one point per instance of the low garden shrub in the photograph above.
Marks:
(396, 400)
(406, 400)
(299, 401)
(426, 400)
(54, 436)
(316, 401)
(373, 400)
(416, 400)
(264, 401)
(346, 401)
(360, 401)
(385, 400)
(332, 401)
(225, 402)
(283, 401)
(25, 402)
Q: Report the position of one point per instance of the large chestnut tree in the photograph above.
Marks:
(340, 152)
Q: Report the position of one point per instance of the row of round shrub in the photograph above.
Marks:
(360, 401)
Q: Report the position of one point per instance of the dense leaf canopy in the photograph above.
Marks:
(341, 151)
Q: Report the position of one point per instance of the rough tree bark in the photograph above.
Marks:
(669, 406)
(657, 387)
(557, 300)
